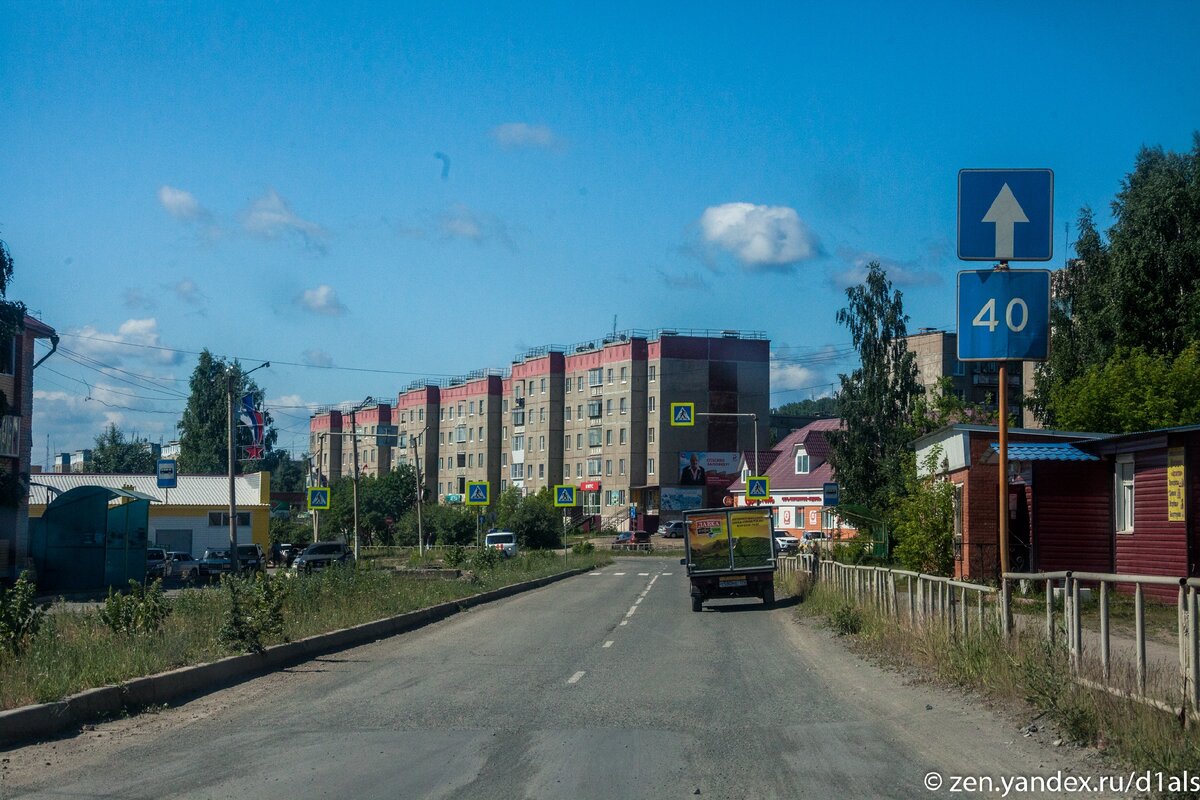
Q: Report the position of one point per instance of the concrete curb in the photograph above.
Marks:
(47, 719)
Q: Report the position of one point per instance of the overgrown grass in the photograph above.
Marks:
(1025, 668)
(76, 650)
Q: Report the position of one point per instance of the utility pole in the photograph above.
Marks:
(316, 514)
(231, 384)
(417, 461)
(354, 433)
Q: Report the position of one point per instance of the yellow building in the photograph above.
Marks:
(189, 518)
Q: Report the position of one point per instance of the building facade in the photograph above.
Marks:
(594, 415)
(975, 382)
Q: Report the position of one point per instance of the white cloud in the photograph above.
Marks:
(900, 273)
(182, 204)
(134, 339)
(187, 291)
(512, 135)
(321, 300)
(460, 222)
(787, 377)
(270, 217)
(317, 358)
(74, 420)
(761, 237)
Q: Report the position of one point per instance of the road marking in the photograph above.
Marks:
(595, 573)
(652, 580)
(632, 609)
(575, 678)
(608, 644)
(624, 622)
(643, 574)
(666, 573)
(618, 573)
(639, 600)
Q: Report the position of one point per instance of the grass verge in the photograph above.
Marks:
(77, 650)
(1025, 668)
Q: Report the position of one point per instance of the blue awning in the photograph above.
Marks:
(1038, 451)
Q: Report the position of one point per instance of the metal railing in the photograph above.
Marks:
(1187, 613)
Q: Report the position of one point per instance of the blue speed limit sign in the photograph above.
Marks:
(1004, 315)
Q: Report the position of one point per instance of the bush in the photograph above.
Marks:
(20, 617)
(254, 614)
(583, 548)
(847, 620)
(141, 611)
(483, 559)
(455, 557)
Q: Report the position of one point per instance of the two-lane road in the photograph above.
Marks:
(601, 686)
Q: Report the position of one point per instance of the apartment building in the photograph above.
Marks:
(975, 382)
(593, 414)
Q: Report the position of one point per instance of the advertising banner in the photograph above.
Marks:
(699, 468)
(672, 499)
(708, 541)
(751, 533)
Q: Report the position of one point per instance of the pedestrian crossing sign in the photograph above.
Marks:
(564, 496)
(478, 493)
(318, 498)
(683, 415)
(758, 488)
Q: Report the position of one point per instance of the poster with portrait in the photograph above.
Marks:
(704, 468)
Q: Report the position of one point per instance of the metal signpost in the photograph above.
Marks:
(1004, 315)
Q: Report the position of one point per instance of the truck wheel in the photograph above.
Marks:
(769, 594)
(697, 603)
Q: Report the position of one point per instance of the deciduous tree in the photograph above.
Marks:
(114, 454)
(203, 430)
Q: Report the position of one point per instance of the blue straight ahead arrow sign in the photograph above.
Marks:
(1005, 214)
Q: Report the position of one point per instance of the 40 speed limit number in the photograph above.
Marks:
(1004, 315)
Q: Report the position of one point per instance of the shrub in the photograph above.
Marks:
(20, 616)
(455, 556)
(141, 611)
(583, 548)
(483, 559)
(254, 614)
(847, 619)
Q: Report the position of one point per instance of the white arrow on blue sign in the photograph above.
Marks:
(1004, 315)
(1005, 214)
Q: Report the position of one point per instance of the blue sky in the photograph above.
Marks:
(425, 190)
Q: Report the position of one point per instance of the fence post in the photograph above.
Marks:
(912, 601)
(1105, 665)
(1077, 642)
(893, 598)
(1005, 608)
(1181, 613)
(979, 608)
(1050, 611)
(1139, 614)
(962, 612)
(1194, 638)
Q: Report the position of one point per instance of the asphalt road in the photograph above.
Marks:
(601, 686)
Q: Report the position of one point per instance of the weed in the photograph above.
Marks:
(582, 548)
(847, 619)
(20, 616)
(455, 557)
(483, 559)
(140, 611)
(254, 615)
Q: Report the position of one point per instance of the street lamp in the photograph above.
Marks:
(231, 384)
(354, 432)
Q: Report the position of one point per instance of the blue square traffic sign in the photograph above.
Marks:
(564, 496)
(1004, 315)
(478, 493)
(1005, 214)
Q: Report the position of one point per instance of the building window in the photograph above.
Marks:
(801, 461)
(650, 435)
(542, 414)
(567, 414)
(652, 374)
(471, 407)
(542, 443)
(220, 519)
(579, 470)
(1123, 492)
(624, 374)
(460, 434)
(579, 441)
(420, 415)
(541, 470)
(504, 433)
(568, 390)
(579, 385)
(567, 442)
(543, 385)
(531, 388)
(481, 433)
(481, 406)
(621, 466)
(504, 459)
(650, 404)
(623, 436)
(650, 466)
(608, 438)
(470, 434)
(595, 377)
(593, 465)
(624, 405)
(594, 435)
(595, 409)
(518, 441)
(566, 470)
(608, 407)
(441, 437)
(610, 376)
(579, 412)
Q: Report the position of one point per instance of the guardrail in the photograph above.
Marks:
(1187, 610)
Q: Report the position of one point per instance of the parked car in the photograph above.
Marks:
(251, 558)
(813, 536)
(157, 564)
(322, 554)
(283, 554)
(184, 565)
(631, 540)
(504, 541)
(785, 542)
(214, 562)
(675, 529)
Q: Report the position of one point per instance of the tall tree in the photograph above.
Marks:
(1141, 288)
(818, 407)
(878, 399)
(12, 314)
(114, 454)
(203, 431)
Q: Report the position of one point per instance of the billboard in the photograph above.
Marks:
(700, 468)
(672, 499)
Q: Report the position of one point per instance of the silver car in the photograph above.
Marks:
(184, 565)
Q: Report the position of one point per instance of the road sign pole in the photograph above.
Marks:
(1002, 402)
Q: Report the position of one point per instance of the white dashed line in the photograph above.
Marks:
(638, 601)
(575, 678)
(595, 573)
(666, 573)
(608, 644)
(618, 573)
(632, 609)
(643, 574)
(624, 622)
